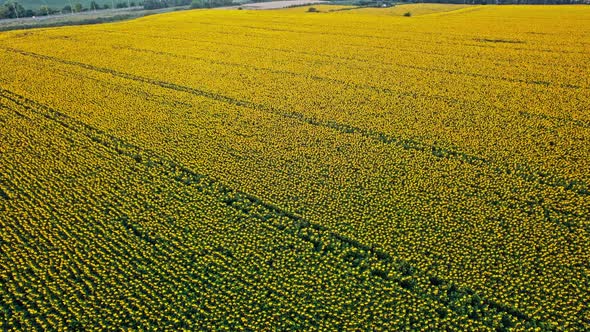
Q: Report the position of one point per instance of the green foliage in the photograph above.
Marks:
(210, 3)
(198, 4)
(156, 4)
(13, 9)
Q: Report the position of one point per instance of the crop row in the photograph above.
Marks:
(523, 204)
(418, 143)
(366, 261)
(107, 265)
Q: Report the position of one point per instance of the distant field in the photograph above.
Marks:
(414, 9)
(398, 10)
(278, 4)
(283, 170)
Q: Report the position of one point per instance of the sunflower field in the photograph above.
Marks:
(346, 169)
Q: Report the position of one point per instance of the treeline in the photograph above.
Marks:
(210, 3)
(15, 10)
(155, 4)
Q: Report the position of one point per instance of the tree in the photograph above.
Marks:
(12, 10)
(4, 12)
(43, 11)
(153, 4)
(198, 4)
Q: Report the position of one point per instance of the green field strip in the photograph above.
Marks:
(463, 301)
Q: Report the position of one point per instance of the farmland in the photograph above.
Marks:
(286, 170)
